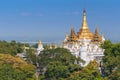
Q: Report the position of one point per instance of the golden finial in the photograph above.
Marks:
(84, 12)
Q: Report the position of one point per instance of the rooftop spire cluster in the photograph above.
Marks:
(84, 43)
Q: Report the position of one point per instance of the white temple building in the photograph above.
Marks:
(40, 48)
(85, 44)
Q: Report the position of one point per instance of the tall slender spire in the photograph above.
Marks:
(84, 12)
(84, 22)
(84, 31)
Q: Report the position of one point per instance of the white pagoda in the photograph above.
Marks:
(40, 48)
(85, 44)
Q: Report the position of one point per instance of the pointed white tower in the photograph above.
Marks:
(40, 48)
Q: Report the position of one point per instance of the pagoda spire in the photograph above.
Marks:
(72, 32)
(84, 22)
(84, 30)
(96, 30)
(72, 37)
(67, 36)
(96, 36)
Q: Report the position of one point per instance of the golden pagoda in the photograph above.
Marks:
(72, 37)
(96, 37)
(84, 31)
(84, 44)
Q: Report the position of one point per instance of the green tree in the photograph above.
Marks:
(12, 47)
(90, 72)
(31, 57)
(111, 62)
(13, 68)
(59, 63)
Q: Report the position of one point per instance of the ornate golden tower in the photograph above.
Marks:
(72, 37)
(84, 31)
(96, 37)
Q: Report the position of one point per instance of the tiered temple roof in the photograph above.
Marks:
(84, 33)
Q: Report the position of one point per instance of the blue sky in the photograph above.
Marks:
(49, 20)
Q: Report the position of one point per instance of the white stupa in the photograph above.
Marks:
(84, 44)
(40, 48)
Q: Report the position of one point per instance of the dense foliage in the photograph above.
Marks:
(13, 68)
(10, 47)
(59, 63)
(90, 72)
(111, 61)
